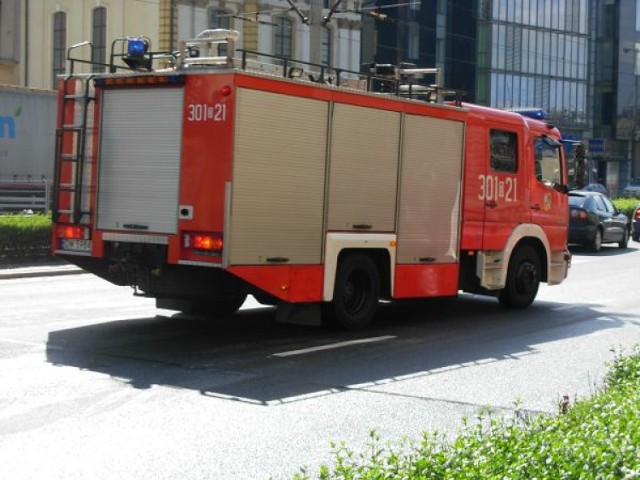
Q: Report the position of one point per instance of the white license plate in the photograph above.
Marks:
(76, 245)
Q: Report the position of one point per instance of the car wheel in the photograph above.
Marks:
(635, 237)
(523, 279)
(357, 291)
(596, 242)
(625, 238)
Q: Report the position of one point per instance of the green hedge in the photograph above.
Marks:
(626, 205)
(25, 237)
(597, 438)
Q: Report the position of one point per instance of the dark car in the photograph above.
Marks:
(635, 224)
(594, 220)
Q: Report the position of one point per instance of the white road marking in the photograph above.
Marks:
(333, 345)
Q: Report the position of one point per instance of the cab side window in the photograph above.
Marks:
(504, 151)
(547, 161)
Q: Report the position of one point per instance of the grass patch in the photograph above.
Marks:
(24, 236)
(597, 438)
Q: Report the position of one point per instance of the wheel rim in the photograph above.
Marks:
(355, 293)
(526, 278)
(597, 242)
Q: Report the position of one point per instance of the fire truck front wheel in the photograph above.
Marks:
(523, 278)
(356, 293)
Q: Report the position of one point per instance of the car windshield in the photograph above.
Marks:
(577, 200)
(635, 182)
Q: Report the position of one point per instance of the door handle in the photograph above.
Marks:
(492, 204)
(535, 207)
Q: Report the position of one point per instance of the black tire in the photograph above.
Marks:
(635, 237)
(220, 308)
(596, 241)
(625, 238)
(356, 293)
(523, 278)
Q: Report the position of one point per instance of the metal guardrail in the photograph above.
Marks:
(20, 196)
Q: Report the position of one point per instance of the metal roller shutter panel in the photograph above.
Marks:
(430, 189)
(278, 178)
(140, 145)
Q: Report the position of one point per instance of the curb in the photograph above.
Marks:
(39, 271)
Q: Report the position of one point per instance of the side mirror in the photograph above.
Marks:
(562, 189)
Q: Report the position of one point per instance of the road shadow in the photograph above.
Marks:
(248, 357)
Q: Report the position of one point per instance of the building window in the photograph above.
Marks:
(99, 37)
(504, 156)
(283, 35)
(59, 44)
(218, 19)
(325, 47)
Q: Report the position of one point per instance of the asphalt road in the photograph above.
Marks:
(99, 384)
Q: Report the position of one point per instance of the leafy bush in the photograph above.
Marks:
(626, 205)
(24, 236)
(598, 438)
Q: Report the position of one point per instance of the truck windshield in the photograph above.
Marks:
(547, 162)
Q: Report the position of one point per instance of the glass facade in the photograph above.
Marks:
(577, 59)
(617, 95)
(535, 53)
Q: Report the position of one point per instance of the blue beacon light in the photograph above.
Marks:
(137, 47)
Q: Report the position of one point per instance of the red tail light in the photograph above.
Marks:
(637, 214)
(72, 232)
(575, 213)
(203, 242)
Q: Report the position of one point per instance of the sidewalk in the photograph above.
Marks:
(9, 272)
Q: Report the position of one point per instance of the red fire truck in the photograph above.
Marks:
(224, 173)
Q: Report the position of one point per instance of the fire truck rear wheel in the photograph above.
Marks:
(523, 279)
(356, 293)
(220, 308)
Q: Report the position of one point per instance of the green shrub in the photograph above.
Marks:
(24, 236)
(626, 205)
(598, 438)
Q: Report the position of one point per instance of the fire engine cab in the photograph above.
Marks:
(201, 176)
